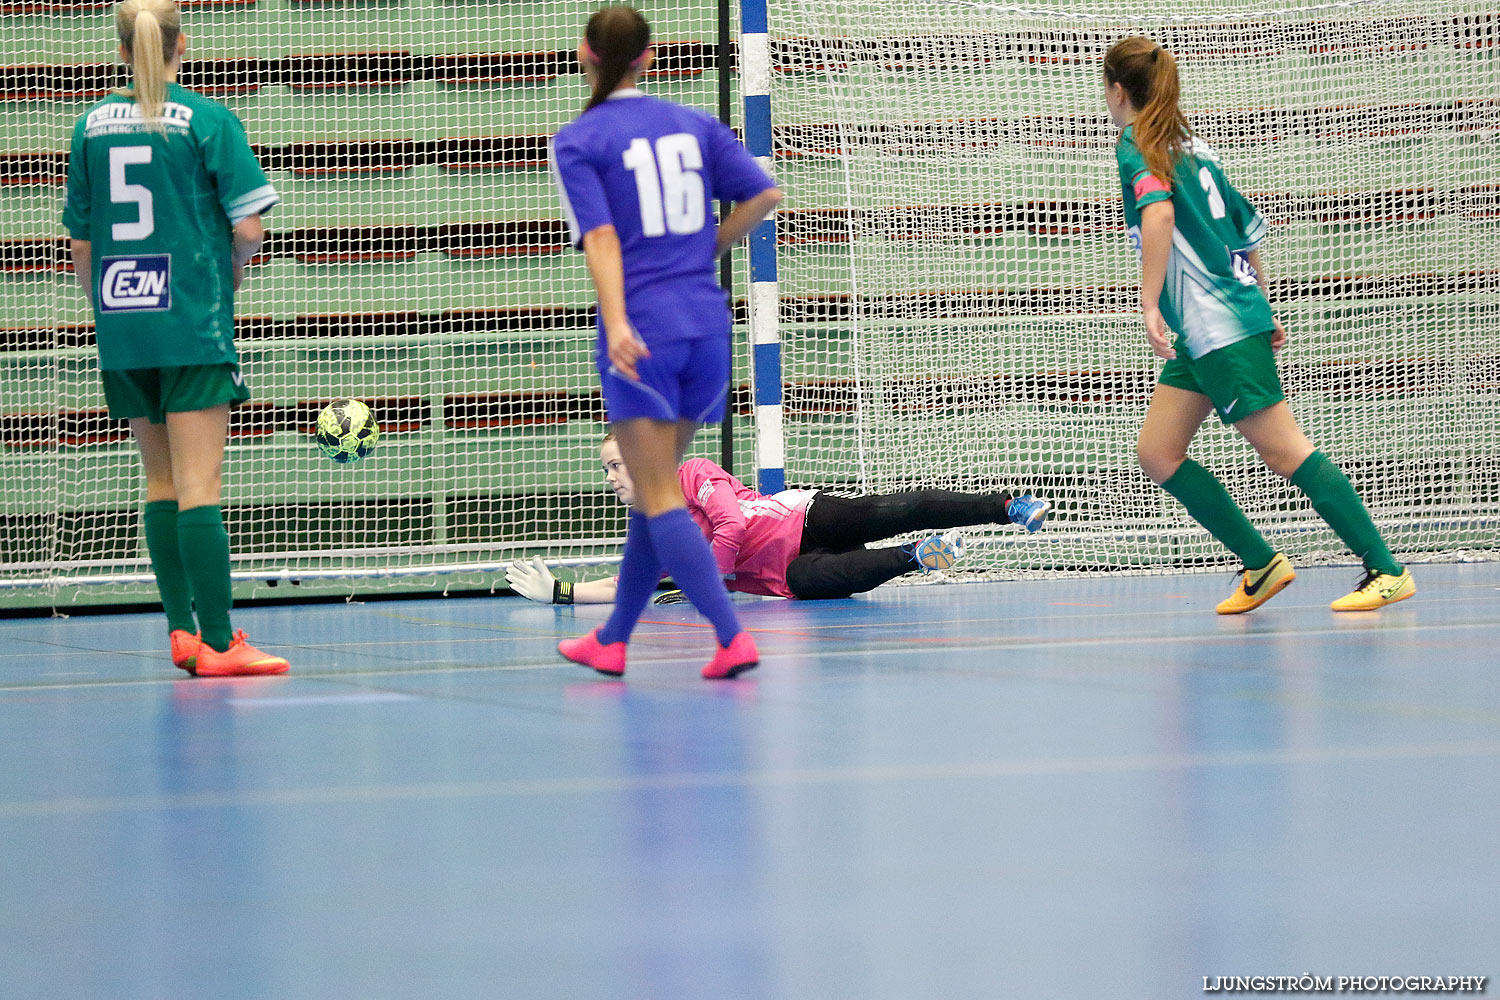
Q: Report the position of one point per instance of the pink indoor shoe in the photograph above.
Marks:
(734, 659)
(608, 660)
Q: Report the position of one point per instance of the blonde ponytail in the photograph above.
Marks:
(149, 30)
(1148, 73)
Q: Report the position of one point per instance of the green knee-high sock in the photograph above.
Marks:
(160, 521)
(1211, 506)
(205, 555)
(1334, 499)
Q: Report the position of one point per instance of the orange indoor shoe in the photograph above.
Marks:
(240, 660)
(185, 649)
(1257, 586)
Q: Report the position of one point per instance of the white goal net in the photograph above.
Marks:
(958, 296)
(955, 290)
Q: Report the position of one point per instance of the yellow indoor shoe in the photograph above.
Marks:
(1377, 590)
(1257, 586)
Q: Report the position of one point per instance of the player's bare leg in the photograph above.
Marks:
(1172, 421)
(1276, 437)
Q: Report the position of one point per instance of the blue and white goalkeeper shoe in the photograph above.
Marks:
(938, 552)
(1029, 512)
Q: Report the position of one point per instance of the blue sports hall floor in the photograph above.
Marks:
(1090, 788)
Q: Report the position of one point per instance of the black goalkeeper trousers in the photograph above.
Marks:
(834, 562)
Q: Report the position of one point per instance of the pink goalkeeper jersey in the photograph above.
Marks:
(754, 537)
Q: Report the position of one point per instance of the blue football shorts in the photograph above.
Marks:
(681, 380)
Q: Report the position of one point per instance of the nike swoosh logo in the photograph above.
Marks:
(1252, 589)
(1231, 405)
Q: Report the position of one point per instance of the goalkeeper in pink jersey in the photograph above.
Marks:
(798, 543)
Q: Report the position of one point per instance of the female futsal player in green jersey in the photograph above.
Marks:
(1201, 277)
(164, 205)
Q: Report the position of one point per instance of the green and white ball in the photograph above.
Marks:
(347, 430)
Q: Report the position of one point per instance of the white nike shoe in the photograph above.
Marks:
(939, 551)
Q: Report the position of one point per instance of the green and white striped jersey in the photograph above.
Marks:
(159, 209)
(1210, 296)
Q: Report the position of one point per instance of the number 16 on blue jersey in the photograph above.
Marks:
(650, 169)
(669, 183)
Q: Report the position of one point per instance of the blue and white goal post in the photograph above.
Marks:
(765, 334)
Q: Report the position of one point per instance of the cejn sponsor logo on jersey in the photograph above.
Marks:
(139, 283)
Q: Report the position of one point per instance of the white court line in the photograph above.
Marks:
(764, 779)
(906, 649)
(772, 629)
(298, 701)
(25, 623)
(160, 652)
(1095, 614)
(508, 634)
(667, 631)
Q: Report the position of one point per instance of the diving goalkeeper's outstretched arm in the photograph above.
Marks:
(533, 580)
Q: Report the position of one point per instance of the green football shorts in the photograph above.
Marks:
(154, 392)
(1239, 380)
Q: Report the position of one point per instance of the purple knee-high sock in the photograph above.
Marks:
(640, 572)
(686, 557)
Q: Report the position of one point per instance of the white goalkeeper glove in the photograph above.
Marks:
(534, 581)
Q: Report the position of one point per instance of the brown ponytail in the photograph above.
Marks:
(1148, 73)
(616, 37)
(149, 30)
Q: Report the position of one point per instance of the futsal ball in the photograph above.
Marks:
(347, 430)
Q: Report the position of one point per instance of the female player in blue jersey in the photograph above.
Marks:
(638, 177)
(1201, 276)
(164, 205)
